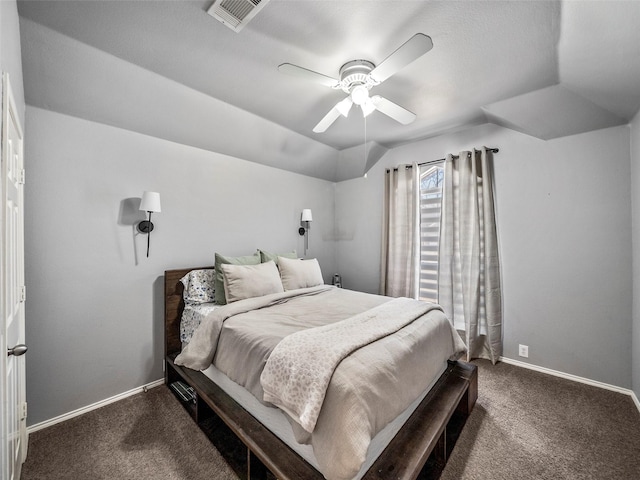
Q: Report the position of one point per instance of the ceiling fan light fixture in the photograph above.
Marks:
(367, 107)
(359, 94)
(345, 106)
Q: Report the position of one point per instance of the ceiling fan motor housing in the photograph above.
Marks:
(354, 73)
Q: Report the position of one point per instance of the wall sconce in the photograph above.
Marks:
(150, 203)
(305, 221)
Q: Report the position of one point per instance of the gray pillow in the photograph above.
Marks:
(248, 281)
(219, 279)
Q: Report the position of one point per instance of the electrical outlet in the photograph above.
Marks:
(523, 351)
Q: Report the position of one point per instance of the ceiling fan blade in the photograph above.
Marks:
(326, 122)
(398, 113)
(412, 49)
(297, 71)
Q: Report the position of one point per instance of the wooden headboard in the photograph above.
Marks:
(173, 306)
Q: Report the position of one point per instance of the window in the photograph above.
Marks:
(431, 188)
(431, 182)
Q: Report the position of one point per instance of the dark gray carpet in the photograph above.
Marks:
(529, 425)
(146, 436)
(526, 425)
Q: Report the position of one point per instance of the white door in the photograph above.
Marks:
(12, 365)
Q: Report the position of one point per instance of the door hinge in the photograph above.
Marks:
(22, 177)
(24, 411)
(23, 293)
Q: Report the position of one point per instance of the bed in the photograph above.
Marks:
(417, 446)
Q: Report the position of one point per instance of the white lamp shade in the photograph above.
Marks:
(359, 94)
(306, 215)
(150, 202)
(367, 107)
(344, 106)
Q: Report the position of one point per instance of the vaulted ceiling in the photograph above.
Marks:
(168, 69)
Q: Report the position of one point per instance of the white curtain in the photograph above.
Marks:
(400, 261)
(469, 270)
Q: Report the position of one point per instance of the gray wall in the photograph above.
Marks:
(95, 309)
(94, 314)
(10, 58)
(635, 208)
(564, 223)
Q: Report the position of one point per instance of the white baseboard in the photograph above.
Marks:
(93, 406)
(574, 378)
(635, 399)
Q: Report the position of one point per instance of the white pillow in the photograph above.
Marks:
(248, 281)
(299, 273)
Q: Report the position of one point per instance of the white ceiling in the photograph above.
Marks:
(545, 68)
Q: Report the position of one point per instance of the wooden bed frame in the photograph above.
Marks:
(420, 449)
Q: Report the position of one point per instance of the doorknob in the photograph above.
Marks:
(17, 350)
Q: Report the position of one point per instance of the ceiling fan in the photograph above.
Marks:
(357, 77)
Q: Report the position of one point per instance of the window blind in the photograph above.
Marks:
(431, 182)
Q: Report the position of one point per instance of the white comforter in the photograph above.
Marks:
(368, 389)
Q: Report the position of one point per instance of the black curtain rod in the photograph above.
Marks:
(493, 150)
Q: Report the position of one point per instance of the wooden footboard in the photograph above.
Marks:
(432, 430)
(421, 447)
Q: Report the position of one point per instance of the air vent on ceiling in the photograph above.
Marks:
(235, 14)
